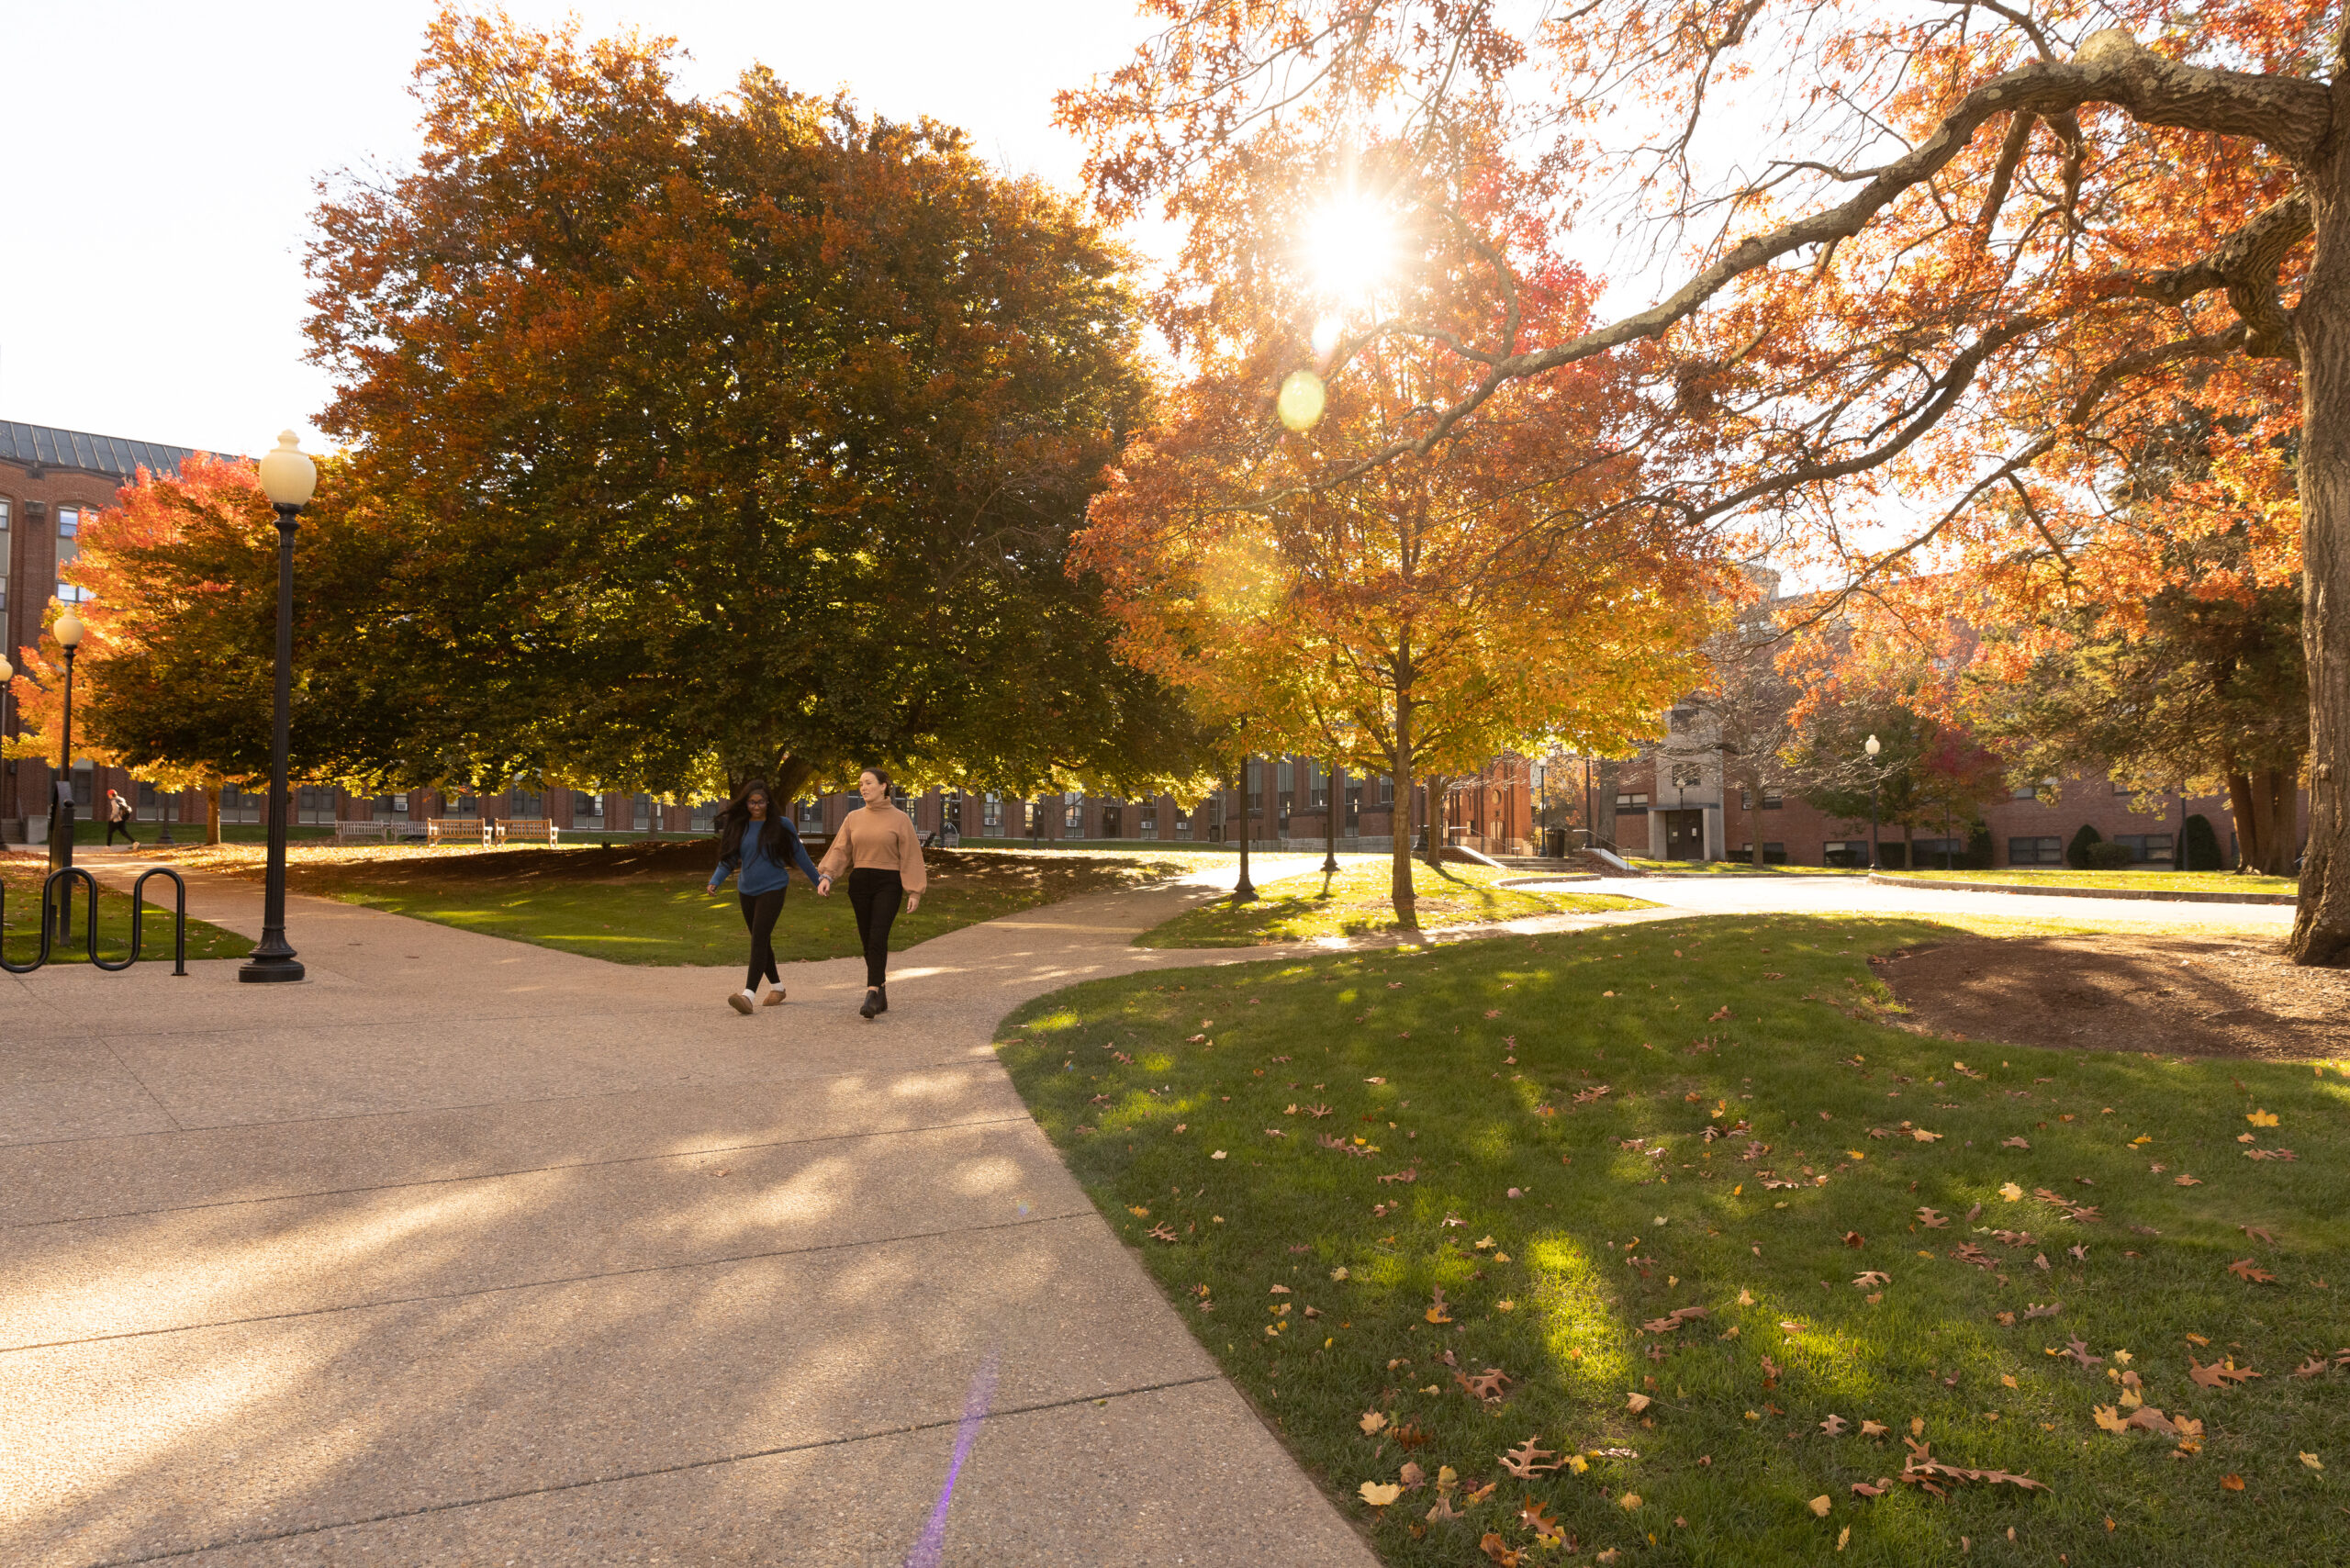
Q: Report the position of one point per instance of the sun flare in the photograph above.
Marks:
(1349, 247)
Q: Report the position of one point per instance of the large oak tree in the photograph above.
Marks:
(1931, 267)
(743, 435)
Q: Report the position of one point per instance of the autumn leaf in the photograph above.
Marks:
(2217, 1375)
(2015, 1143)
(1494, 1547)
(1834, 1426)
(2262, 1118)
(1931, 1220)
(1819, 1506)
(2110, 1419)
(1525, 1461)
(1922, 1136)
(1378, 1494)
(2186, 1181)
(1372, 1421)
(2010, 1192)
(2243, 1269)
(1629, 1500)
(2233, 1482)
(1872, 1279)
(1873, 1428)
(1637, 1402)
(1437, 1313)
(2312, 1461)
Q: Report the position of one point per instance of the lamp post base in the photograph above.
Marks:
(273, 960)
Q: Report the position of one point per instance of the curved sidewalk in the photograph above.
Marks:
(467, 1249)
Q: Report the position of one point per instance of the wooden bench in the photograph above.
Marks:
(438, 830)
(381, 832)
(522, 830)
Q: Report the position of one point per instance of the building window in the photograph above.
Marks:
(640, 813)
(2039, 851)
(586, 809)
(1770, 802)
(1317, 785)
(1943, 852)
(389, 808)
(1114, 820)
(237, 806)
(809, 812)
(1773, 853)
(1256, 789)
(1184, 822)
(1633, 800)
(1147, 819)
(705, 817)
(2147, 848)
(991, 814)
(1845, 852)
(1072, 815)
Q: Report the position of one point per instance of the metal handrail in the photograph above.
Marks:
(49, 899)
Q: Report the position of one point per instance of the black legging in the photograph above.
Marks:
(875, 895)
(122, 825)
(759, 911)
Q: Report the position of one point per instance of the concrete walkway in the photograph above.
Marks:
(470, 1251)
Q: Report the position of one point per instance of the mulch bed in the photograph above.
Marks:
(2173, 995)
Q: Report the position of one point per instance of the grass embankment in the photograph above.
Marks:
(2149, 881)
(1356, 902)
(1874, 1253)
(644, 905)
(21, 877)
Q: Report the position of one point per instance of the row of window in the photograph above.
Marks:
(69, 528)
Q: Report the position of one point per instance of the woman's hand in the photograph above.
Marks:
(913, 903)
(824, 887)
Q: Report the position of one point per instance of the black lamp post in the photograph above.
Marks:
(289, 478)
(1876, 776)
(67, 629)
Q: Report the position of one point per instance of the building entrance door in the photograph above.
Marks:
(1684, 835)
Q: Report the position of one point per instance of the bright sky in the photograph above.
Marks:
(161, 156)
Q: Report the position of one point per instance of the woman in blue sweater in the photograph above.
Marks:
(756, 841)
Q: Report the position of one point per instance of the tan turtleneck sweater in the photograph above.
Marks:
(876, 838)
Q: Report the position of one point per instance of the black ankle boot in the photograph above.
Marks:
(883, 992)
(872, 1004)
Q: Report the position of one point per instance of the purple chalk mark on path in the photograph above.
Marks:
(928, 1552)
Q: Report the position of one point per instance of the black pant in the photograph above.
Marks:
(875, 895)
(759, 911)
(122, 825)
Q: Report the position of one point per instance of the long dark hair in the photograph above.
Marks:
(736, 819)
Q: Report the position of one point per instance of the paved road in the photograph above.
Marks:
(1728, 893)
(468, 1251)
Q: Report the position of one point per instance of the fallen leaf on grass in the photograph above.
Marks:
(1494, 1547)
(1442, 1510)
(1437, 1312)
(2313, 1461)
(1834, 1426)
(1632, 1499)
(1931, 1220)
(1525, 1461)
(2233, 1482)
(1372, 1422)
(2217, 1375)
(1922, 1136)
(2262, 1118)
(1378, 1494)
(1873, 1428)
(2186, 1181)
(1872, 1279)
(2016, 1143)
(2010, 1192)
(2243, 1269)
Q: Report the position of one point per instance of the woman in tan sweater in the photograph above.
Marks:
(882, 854)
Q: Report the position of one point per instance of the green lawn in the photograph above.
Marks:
(1705, 1118)
(20, 877)
(2152, 881)
(1356, 902)
(645, 904)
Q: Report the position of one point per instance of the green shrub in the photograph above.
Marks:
(1978, 846)
(2108, 857)
(2201, 850)
(2077, 853)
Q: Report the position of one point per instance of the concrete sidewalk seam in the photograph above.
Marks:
(950, 1064)
(520, 1170)
(686, 1466)
(553, 1281)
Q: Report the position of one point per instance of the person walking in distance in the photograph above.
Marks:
(882, 854)
(754, 842)
(119, 819)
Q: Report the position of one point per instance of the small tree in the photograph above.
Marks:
(2077, 853)
(2199, 848)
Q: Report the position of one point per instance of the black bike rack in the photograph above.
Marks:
(48, 901)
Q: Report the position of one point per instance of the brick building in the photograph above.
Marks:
(51, 479)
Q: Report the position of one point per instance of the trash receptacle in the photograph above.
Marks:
(1555, 843)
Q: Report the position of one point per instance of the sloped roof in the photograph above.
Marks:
(107, 454)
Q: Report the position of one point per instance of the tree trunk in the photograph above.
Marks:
(2321, 332)
(2247, 820)
(1608, 783)
(1399, 821)
(1437, 788)
(2274, 803)
(212, 814)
